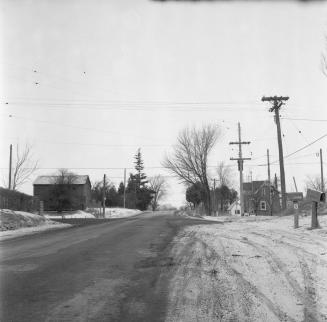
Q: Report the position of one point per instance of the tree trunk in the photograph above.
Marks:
(207, 202)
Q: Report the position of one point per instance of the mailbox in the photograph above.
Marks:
(316, 196)
(294, 196)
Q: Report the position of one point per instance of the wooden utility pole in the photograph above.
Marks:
(125, 188)
(10, 166)
(214, 197)
(104, 196)
(269, 183)
(278, 101)
(268, 164)
(240, 161)
(322, 172)
(295, 184)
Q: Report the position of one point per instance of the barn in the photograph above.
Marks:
(60, 193)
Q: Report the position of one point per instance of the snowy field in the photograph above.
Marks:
(94, 213)
(19, 223)
(121, 212)
(250, 269)
(69, 215)
(115, 212)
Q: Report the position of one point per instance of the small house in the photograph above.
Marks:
(261, 198)
(234, 208)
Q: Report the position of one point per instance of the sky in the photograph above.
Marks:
(87, 83)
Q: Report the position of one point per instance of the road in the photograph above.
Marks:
(115, 271)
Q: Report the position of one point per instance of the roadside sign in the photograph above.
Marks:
(296, 205)
(295, 196)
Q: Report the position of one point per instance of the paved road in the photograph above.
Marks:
(106, 272)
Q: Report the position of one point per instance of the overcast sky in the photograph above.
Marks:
(88, 82)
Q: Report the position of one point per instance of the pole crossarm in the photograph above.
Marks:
(274, 98)
(239, 159)
(278, 101)
(244, 142)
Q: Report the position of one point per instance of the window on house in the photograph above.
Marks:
(237, 212)
(263, 205)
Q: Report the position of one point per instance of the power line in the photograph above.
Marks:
(304, 147)
(76, 126)
(303, 119)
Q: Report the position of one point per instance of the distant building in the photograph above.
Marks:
(261, 198)
(235, 208)
(60, 193)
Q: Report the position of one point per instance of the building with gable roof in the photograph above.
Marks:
(261, 198)
(71, 192)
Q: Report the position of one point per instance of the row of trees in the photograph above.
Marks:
(220, 196)
(141, 192)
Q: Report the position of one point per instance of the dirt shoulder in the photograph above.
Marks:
(250, 270)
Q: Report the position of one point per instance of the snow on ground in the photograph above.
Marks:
(115, 212)
(19, 223)
(121, 212)
(69, 215)
(250, 269)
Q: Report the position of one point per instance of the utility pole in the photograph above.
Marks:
(104, 196)
(278, 101)
(10, 166)
(214, 197)
(125, 188)
(322, 172)
(240, 161)
(269, 183)
(295, 184)
(268, 163)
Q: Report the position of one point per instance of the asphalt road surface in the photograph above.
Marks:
(107, 272)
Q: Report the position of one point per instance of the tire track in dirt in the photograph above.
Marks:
(208, 300)
(251, 288)
(296, 248)
(305, 295)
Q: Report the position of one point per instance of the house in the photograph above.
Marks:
(63, 192)
(234, 208)
(261, 198)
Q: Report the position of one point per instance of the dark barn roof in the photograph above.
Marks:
(247, 186)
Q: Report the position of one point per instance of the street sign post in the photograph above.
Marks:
(296, 214)
(295, 197)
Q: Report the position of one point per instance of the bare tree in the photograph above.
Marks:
(63, 182)
(314, 182)
(24, 166)
(224, 174)
(189, 161)
(157, 184)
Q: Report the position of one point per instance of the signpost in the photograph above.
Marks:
(315, 196)
(295, 197)
(296, 214)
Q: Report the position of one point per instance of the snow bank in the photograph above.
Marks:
(121, 212)
(18, 223)
(70, 215)
(114, 212)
